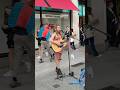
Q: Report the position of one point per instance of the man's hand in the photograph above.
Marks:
(5, 26)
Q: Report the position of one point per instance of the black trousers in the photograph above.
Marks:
(112, 38)
(117, 39)
(90, 44)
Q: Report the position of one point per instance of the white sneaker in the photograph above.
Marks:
(72, 56)
(46, 53)
(99, 55)
(28, 66)
(8, 74)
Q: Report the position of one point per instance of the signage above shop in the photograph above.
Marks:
(51, 16)
(51, 9)
(37, 16)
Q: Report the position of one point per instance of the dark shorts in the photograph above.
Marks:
(41, 39)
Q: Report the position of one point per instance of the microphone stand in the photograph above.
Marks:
(70, 73)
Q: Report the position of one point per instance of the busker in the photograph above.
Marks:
(57, 45)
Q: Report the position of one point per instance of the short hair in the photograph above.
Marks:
(108, 2)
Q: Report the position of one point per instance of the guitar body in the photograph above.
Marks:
(57, 48)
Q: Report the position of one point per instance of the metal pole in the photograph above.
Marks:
(70, 16)
(82, 15)
(79, 22)
(41, 16)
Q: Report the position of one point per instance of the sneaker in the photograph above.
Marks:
(15, 84)
(46, 53)
(72, 57)
(99, 55)
(8, 74)
(41, 61)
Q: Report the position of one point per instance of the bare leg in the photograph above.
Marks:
(57, 61)
(10, 60)
(41, 47)
(11, 57)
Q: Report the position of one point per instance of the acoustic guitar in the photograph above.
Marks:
(59, 48)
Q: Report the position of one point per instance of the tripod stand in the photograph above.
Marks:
(70, 72)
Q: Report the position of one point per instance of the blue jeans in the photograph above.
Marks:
(89, 43)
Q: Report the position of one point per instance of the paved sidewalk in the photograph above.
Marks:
(27, 80)
(44, 76)
(45, 73)
(106, 69)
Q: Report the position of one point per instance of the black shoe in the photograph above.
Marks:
(59, 72)
(15, 84)
(60, 75)
(41, 61)
(52, 57)
(74, 48)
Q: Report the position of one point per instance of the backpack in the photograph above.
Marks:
(44, 32)
(12, 19)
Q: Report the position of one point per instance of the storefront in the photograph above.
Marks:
(63, 17)
(53, 17)
(54, 13)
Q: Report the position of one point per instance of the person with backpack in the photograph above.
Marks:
(10, 42)
(23, 37)
(43, 35)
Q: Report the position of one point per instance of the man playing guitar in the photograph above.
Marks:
(57, 45)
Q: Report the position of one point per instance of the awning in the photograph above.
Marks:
(57, 4)
(62, 4)
(40, 3)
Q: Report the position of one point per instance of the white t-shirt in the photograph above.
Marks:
(71, 40)
(88, 31)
